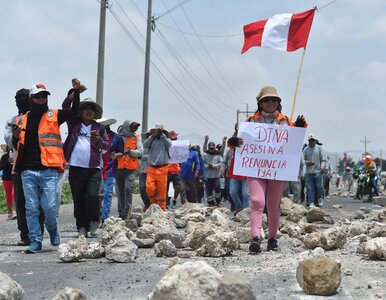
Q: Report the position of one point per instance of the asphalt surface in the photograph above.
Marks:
(272, 274)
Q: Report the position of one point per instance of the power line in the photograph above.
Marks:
(173, 8)
(199, 34)
(174, 90)
(235, 97)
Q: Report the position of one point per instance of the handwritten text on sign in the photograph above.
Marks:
(179, 152)
(269, 151)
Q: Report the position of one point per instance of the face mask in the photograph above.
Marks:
(23, 106)
(38, 108)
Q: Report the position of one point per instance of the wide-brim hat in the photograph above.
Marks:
(106, 122)
(160, 126)
(98, 108)
(267, 91)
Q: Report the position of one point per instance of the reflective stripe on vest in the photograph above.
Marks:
(50, 140)
(128, 162)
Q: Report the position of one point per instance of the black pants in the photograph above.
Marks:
(142, 189)
(190, 188)
(20, 208)
(85, 184)
(213, 190)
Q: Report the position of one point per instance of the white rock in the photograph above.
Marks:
(10, 289)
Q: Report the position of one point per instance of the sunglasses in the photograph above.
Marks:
(40, 96)
(267, 100)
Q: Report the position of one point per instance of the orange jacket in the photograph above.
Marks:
(50, 140)
(129, 162)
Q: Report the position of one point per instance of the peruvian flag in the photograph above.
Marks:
(285, 32)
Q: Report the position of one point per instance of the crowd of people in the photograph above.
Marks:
(100, 160)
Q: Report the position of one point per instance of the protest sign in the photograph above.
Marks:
(269, 151)
(179, 152)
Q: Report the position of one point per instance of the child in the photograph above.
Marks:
(6, 166)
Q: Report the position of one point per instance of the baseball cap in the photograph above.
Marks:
(312, 137)
(106, 121)
(38, 88)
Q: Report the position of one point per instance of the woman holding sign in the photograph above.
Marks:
(266, 192)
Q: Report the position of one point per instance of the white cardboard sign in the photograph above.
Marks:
(179, 152)
(269, 151)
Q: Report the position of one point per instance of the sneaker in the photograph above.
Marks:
(210, 204)
(218, 205)
(255, 245)
(34, 247)
(54, 237)
(311, 205)
(272, 245)
(82, 232)
(93, 227)
(237, 211)
(174, 205)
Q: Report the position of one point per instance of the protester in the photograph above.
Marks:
(200, 178)
(85, 141)
(213, 163)
(371, 168)
(238, 186)
(220, 148)
(23, 104)
(315, 166)
(265, 192)
(157, 145)
(347, 179)
(327, 178)
(109, 165)
(6, 164)
(128, 165)
(40, 155)
(143, 175)
(295, 186)
(174, 171)
(189, 174)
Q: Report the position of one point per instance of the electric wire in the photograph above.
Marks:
(167, 82)
(235, 96)
(173, 8)
(191, 74)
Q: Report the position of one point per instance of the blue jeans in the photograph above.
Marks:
(40, 191)
(314, 185)
(238, 190)
(108, 186)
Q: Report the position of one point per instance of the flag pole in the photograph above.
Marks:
(297, 84)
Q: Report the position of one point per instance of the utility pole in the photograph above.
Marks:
(242, 112)
(101, 52)
(145, 108)
(366, 141)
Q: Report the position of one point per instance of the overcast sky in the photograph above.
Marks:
(199, 78)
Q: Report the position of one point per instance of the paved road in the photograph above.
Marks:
(272, 274)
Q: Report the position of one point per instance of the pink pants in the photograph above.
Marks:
(9, 195)
(265, 192)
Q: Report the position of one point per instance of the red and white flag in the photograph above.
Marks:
(285, 32)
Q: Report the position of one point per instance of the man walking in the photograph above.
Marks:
(40, 156)
(315, 166)
(128, 165)
(157, 145)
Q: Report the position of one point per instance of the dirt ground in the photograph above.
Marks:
(272, 274)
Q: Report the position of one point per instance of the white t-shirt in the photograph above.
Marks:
(80, 156)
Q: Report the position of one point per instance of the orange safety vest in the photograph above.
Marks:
(50, 140)
(128, 162)
(280, 119)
